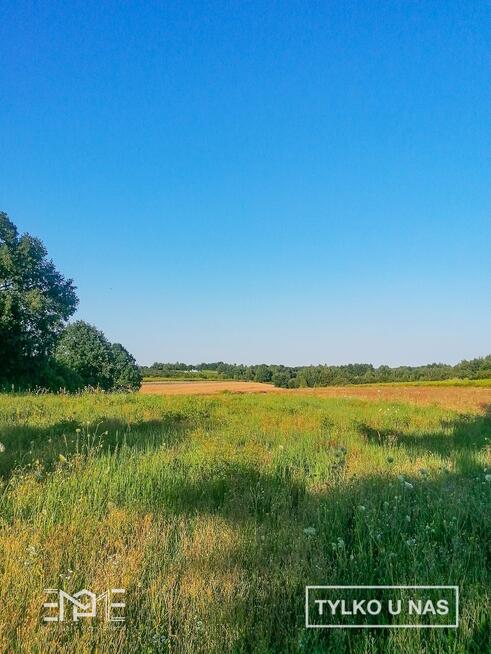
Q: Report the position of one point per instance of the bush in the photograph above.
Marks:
(281, 379)
(94, 361)
(125, 373)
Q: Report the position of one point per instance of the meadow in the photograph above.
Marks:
(215, 512)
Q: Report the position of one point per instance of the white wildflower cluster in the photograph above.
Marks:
(310, 531)
(338, 545)
(406, 484)
(67, 576)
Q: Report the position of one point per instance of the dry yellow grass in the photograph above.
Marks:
(205, 387)
(453, 397)
(449, 397)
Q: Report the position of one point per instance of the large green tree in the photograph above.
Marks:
(92, 360)
(35, 303)
(85, 350)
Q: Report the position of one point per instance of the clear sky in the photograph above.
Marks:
(289, 182)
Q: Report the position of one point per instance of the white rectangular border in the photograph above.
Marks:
(381, 626)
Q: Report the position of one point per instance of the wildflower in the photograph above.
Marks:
(408, 518)
(77, 431)
(362, 508)
(2, 447)
(487, 477)
(310, 531)
(340, 543)
(410, 542)
(62, 458)
(408, 485)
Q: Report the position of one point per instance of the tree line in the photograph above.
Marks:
(325, 375)
(38, 348)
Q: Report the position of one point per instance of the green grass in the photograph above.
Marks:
(198, 506)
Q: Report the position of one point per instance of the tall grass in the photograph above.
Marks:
(463, 383)
(215, 513)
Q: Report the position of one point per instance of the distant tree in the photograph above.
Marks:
(263, 373)
(35, 303)
(85, 350)
(125, 373)
(281, 379)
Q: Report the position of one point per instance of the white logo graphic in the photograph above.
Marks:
(84, 604)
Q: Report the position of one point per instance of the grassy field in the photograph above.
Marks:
(206, 387)
(476, 383)
(214, 513)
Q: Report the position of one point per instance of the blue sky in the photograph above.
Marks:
(295, 182)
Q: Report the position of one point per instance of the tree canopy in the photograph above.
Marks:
(35, 303)
(83, 349)
(37, 348)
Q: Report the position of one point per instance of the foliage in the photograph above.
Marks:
(85, 350)
(36, 349)
(125, 373)
(35, 303)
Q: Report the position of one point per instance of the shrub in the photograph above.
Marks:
(85, 350)
(86, 358)
(125, 373)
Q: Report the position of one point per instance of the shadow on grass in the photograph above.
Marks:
(429, 549)
(24, 445)
(467, 434)
(434, 531)
(278, 558)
